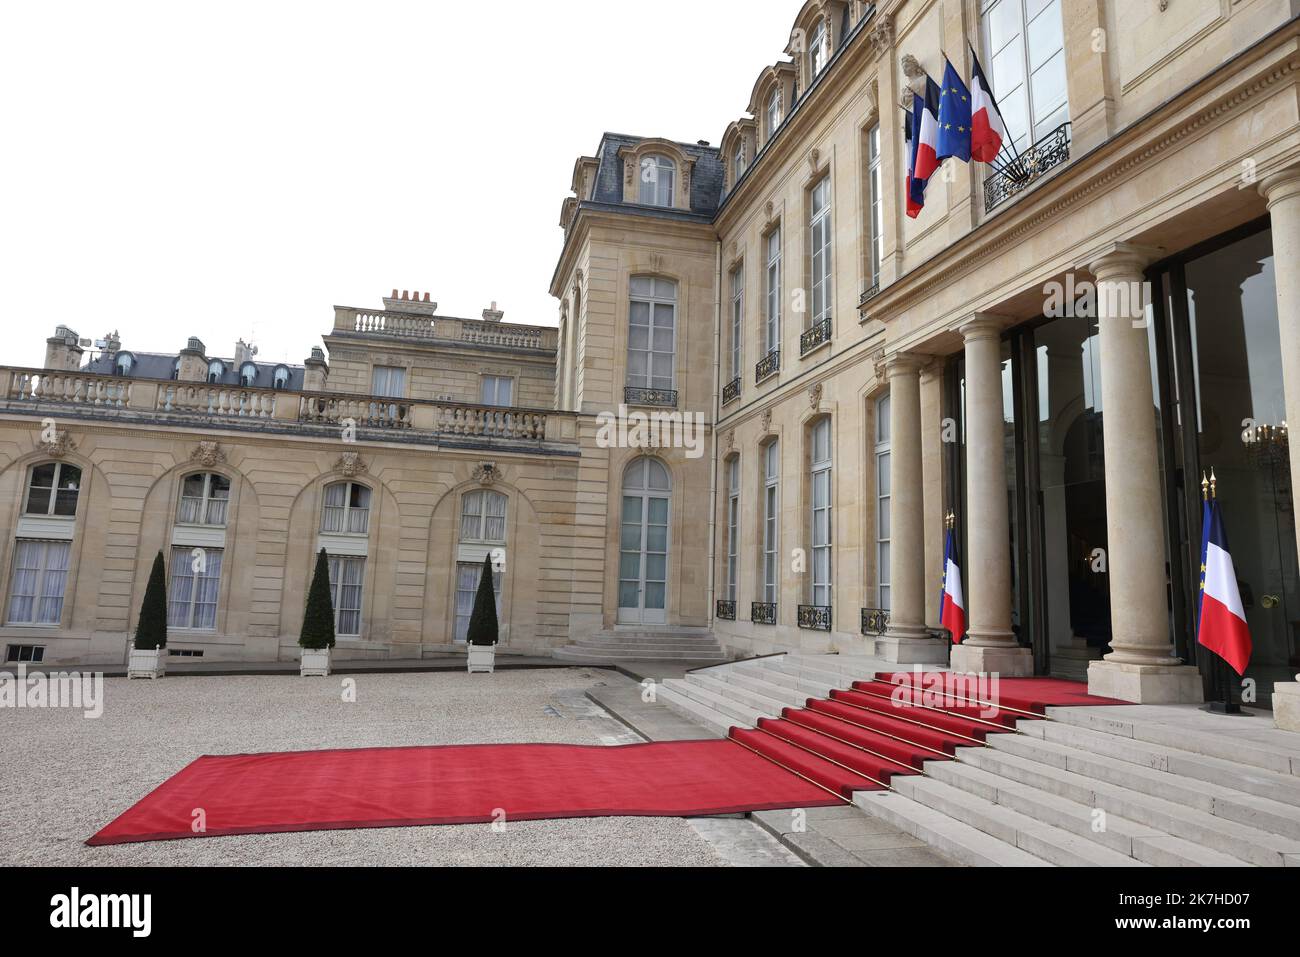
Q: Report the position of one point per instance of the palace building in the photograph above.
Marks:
(1056, 350)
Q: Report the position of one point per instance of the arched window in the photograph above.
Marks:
(652, 338)
(483, 517)
(658, 179)
(216, 370)
(248, 375)
(281, 380)
(820, 480)
(176, 369)
(53, 488)
(643, 543)
(204, 500)
(883, 492)
(346, 510)
(124, 363)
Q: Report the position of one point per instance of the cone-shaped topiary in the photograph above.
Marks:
(318, 620)
(151, 630)
(483, 622)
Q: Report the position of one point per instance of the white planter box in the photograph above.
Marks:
(315, 664)
(482, 659)
(147, 664)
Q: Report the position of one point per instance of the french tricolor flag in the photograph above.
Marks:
(923, 134)
(952, 614)
(988, 131)
(1222, 625)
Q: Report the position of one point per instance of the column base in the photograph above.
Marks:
(1007, 661)
(912, 649)
(1072, 661)
(1286, 705)
(1146, 684)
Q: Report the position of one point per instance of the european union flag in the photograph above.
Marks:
(954, 116)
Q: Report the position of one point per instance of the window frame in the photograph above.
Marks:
(389, 374)
(818, 56)
(52, 505)
(206, 501)
(484, 379)
(875, 207)
(821, 223)
(337, 584)
(822, 468)
(883, 457)
(771, 537)
(192, 602)
(347, 508)
(665, 170)
(39, 594)
(1025, 49)
(485, 498)
(775, 262)
(733, 527)
(737, 320)
(652, 304)
(216, 371)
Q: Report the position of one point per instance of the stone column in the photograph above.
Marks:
(1282, 190)
(991, 647)
(907, 641)
(1141, 666)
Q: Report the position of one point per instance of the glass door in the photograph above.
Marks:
(643, 544)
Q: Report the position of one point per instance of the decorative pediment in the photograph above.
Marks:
(208, 454)
(351, 464)
(57, 444)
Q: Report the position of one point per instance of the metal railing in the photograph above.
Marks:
(662, 398)
(1017, 174)
(768, 366)
(870, 294)
(815, 617)
(818, 335)
(726, 610)
(875, 621)
(731, 391)
(763, 613)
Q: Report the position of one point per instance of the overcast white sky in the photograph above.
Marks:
(236, 169)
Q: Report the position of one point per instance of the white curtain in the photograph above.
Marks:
(57, 554)
(180, 595)
(347, 576)
(22, 592)
(336, 498)
(192, 602)
(496, 518)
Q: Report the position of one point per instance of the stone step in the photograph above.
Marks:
(571, 653)
(812, 670)
(1243, 826)
(1267, 747)
(738, 712)
(715, 721)
(1042, 840)
(649, 646)
(791, 697)
(639, 631)
(755, 700)
(1283, 788)
(809, 687)
(954, 839)
(1122, 834)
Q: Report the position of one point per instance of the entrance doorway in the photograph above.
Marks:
(643, 544)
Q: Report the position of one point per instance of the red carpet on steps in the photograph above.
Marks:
(409, 787)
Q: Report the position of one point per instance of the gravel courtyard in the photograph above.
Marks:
(66, 776)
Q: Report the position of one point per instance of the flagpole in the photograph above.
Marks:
(1222, 673)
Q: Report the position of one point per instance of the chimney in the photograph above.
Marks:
(411, 303)
(112, 343)
(63, 351)
(493, 315)
(244, 352)
(317, 371)
(193, 361)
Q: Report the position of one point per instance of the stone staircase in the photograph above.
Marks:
(688, 645)
(1087, 787)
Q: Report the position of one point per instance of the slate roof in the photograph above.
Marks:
(706, 182)
(155, 365)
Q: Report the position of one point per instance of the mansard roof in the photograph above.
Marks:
(706, 179)
(160, 365)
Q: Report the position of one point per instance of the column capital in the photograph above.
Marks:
(1120, 260)
(984, 325)
(1279, 186)
(905, 364)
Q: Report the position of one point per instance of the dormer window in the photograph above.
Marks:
(176, 369)
(247, 375)
(658, 177)
(216, 371)
(281, 380)
(773, 112)
(817, 48)
(124, 363)
(738, 162)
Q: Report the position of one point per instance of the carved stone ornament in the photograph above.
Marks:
(486, 474)
(814, 160)
(767, 421)
(57, 444)
(914, 82)
(351, 464)
(815, 396)
(208, 454)
(770, 209)
(731, 440)
(881, 30)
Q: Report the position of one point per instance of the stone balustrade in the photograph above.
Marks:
(437, 328)
(201, 398)
(74, 388)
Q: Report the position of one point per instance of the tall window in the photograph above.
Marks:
(248, 375)
(347, 576)
(738, 163)
(389, 382)
(216, 371)
(772, 324)
(821, 513)
(773, 112)
(875, 219)
(652, 339)
(771, 519)
(346, 510)
(737, 318)
(733, 522)
(883, 492)
(817, 48)
(658, 175)
(497, 390)
(195, 585)
(483, 517)
(53, 489)
(1026, 63)
(821, 250)
(468, 576)
(204, 499)
(40, 574)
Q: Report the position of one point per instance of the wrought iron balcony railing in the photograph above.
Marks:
(870, 294)
(815, 617)
(727, 610)
(769, 366)
(663, 398)
(818, 335)
(1017, 174)
(763, 613)
(875, 621)
(731, 391)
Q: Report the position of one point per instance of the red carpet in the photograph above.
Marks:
(410, 787)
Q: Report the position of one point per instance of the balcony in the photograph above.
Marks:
(763, 613)
(816, 337)
(203, 405)
(726, 611)
(872, 292)
(1020, 173)
(769, 366)
(406, 326)
(731, 391)
(875, 621)
(815, 617)
(658, 398)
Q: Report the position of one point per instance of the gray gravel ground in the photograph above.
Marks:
(65, 777)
